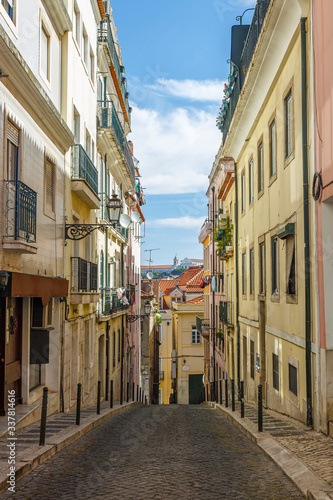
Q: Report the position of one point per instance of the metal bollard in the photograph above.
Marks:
(242, 397)
(145, 400)
(127, 398)
(133, 391)
(220, 391)
(137, 392)
(121, 393)
(43, 418)
(78, 404)
(98, 397)
(140, 395)
(207, 393)
(232, 394)
(143, 397)
(226, 393)
(111, 394)
(260, 408)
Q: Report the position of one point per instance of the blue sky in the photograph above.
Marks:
(175, 57)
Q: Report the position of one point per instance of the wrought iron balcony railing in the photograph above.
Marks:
(105, 35)
(84, 275)
(108, 119)
(202, 325)
(110, 301)
(21, 211)
(248, 50)
(83, 167)
(161, 375)
(227, 312)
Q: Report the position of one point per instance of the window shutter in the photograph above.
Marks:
(49, 185)
(12, 133)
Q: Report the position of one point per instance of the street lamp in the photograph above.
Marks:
(4, 278)
(133, 317)
(80, 231)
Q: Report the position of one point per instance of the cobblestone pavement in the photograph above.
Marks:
(159, 452)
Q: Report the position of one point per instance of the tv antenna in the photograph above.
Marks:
(150, 250)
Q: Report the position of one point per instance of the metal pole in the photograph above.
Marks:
(233, 394)
(121, 392)
(207, 392)
(143, 396)
(98, 397)
(226, 393)
(78, 404)
(145, 400)
(140, 394)
(127, 399)
(242, 397)
(133, 391)
(137, 392)
(260, 408)
(220, 391)
(111, 394)
(43, 418)
(213, 293)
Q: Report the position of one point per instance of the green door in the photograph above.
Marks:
(196, 388)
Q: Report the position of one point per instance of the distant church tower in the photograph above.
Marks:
(175, 261)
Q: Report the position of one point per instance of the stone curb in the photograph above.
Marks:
(312, 487)
(35, 458)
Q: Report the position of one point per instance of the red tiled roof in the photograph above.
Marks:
(188, 275)
(156, 267)
(166, 286)
(197, 300)
(197, 279)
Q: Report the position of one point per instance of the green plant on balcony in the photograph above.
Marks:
(219, 334)
(222, 235)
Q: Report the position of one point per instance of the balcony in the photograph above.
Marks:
(84, 177)
(110, 302)
(108, 121)
(205, 231)
(20, 222)
(84, 282)
(238, 74)
(202, 327)
(227, 313)
(105, 38)
(223, 236)
(161, 376)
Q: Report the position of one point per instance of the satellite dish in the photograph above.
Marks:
(136, 217)
(150, 275)
(125, 220)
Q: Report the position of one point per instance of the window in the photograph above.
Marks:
(251, 182)
(196, 337)
(252, 358)
(275, 270)
(244, 273)
(118, 346)
(92, 65)
(76, 24)
(262, 267)
(272, 149)
(243, 192)
(12, 152)
(9, 6)
(288, 106)
(160, 330)
(88, 144)
(276, 376)
(114, 350)
(76, 125)
(292, 379)
(84, 46)
(45, 52)
(49, 185)
(41, 317)
(291, 264)
(260, 169)
(252, 271)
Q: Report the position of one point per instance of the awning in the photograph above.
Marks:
(29, 285)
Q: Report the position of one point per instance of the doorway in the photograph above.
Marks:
(196, 388)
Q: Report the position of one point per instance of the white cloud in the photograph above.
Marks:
(176, 149)
(181, 222)
(194, 90)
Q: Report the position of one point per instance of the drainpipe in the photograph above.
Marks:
(306, 227)
(213, 292)
(237, 283)
(122, 321)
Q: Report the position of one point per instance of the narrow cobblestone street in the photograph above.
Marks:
(160, 452)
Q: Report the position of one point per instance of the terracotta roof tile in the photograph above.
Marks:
(197, 300)
(188, 275)
(167, 285)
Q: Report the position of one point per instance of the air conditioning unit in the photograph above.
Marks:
(107, 8)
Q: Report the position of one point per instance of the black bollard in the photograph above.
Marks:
(133, 391)
(143, 397)
(121, 393)
(140, 395)
(43, 418)
(260, 408)
(78, 404)
(99, 397)
(242, 398)
(232, 394)
(127, 396)
(220, 391)
(145, 400)
(207, 392)
(226, 393)
(137, 393)
(111, 394)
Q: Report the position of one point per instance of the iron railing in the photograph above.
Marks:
(108, 118)
(227, 312)
(104, 35)
(84, 275)
(21, 211)
(202, 325)
(83, 167)
(248, 50)
(110, 301)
